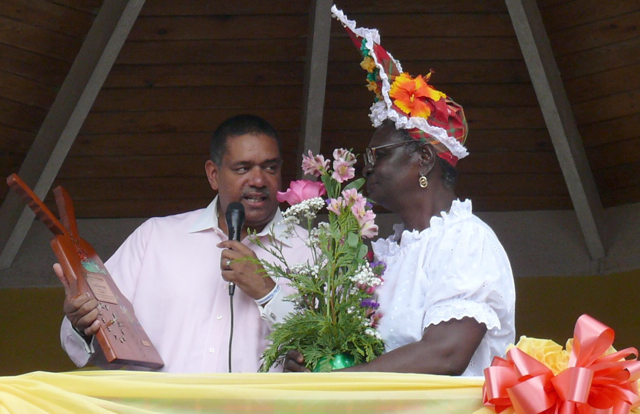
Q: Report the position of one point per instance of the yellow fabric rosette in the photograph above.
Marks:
(546, 351)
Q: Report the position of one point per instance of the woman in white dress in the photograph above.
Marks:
(448, 298)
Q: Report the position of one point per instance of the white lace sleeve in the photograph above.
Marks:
(469, 276)
(461, 308)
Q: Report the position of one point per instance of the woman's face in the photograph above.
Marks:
(394, 172)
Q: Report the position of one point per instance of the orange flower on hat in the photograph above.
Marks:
(412, 95)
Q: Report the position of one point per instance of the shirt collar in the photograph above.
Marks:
(208, 219)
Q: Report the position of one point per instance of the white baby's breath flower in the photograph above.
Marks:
(373, 332)
(290, 223)
(305, 209)
(364, 276)
(312, 241)
(300, 269)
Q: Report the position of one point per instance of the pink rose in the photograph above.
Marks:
(300, 191)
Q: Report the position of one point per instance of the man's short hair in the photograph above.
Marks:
(236, 126)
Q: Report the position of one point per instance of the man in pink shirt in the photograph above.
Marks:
(175, 270)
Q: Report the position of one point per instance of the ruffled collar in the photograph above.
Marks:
(459, 210)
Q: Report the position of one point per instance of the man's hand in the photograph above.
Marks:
(81, 310)
(294, 362)
(247, 275)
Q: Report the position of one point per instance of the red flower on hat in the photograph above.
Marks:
(414, 96)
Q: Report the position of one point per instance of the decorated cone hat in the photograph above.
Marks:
(411, 103)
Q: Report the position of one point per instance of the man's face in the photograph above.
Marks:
(249, 173)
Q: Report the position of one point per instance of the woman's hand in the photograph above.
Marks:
(294, 362)
(445, 349)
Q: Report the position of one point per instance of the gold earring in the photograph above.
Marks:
(423, 181)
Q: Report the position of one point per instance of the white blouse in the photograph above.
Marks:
(456, 268)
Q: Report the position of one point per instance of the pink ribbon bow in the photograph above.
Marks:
(593, 383)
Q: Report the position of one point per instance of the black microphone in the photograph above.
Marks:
(235, 221)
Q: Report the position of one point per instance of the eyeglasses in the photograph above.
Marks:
(370, 152)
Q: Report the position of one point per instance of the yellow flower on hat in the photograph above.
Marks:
(368, 64)
(412, 95)
(373, 87)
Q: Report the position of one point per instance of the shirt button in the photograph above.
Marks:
(211, 350)
(219, 317)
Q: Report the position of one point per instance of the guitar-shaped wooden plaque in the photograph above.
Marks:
(121, 337)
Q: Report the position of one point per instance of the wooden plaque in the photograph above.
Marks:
(121, 337)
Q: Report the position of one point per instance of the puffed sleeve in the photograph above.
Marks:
(469, 276)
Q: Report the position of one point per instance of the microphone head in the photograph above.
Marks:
(235, 220)
(235, 208)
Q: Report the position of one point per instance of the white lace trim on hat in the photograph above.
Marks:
(381, 111)
(363, 32)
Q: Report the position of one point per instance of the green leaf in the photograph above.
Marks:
(353, 240)
(331, 185)
(363, 251)
(357, 184)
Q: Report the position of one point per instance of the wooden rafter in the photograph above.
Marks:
(315, 77)
(68, 112)
(556, 109)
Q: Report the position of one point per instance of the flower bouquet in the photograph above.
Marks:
(335, 319)
(587, 377)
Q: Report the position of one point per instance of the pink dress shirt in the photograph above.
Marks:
(169, 268)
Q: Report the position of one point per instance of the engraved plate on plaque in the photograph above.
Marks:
(100, 288)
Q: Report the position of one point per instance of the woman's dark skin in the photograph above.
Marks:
(445, 348)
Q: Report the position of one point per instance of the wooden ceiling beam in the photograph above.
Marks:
(559, 118)
(315, 77)
(68, 112)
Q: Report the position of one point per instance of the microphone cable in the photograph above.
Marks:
(230, 333)
(235, 219)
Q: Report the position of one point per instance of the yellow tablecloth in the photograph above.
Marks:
(137, 392)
